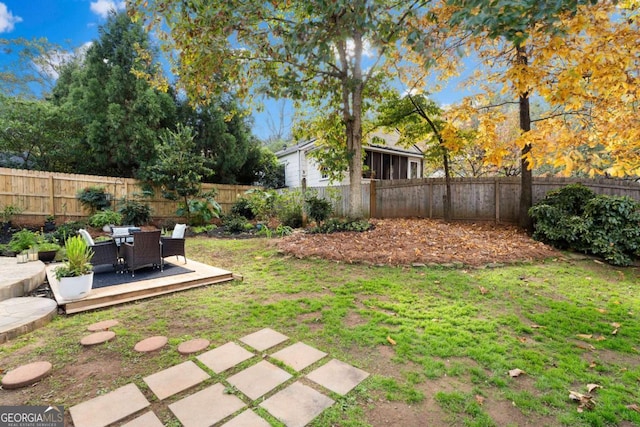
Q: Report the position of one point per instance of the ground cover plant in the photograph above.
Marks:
(440, 342)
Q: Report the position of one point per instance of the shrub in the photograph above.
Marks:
(261, 203)
(94, 198)
(22, 240)
(318, 209)
(242, 207)
(288, 208)
(575, 218)
(135, 213)
(337, 225)
(67, 230)
(234, 223)
(200, 210)
(105, 217)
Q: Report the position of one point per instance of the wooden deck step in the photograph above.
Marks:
(202, 275)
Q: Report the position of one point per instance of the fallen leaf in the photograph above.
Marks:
(600, 338)
(479, 399)
(602, 310)
(483, 290)
(634, 407)
(593, 364)
(616, 325)
(585, 401)
(585, 336)
(522, 339)
(391, 340)
(513, 373)
(534, 326)
(591, 387)
(584, 346)
(614, 332)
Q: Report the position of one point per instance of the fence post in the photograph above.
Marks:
(52, 206)
(497, 195)
(373, 207)
(304, 203)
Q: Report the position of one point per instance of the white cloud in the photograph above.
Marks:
(103, 7)
(50, 63)
(7, 20)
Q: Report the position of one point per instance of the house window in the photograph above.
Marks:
(324, 172)
(413, 170)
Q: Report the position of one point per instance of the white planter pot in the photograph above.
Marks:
(72, 288)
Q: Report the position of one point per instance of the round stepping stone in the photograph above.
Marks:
(151, 344)
(105, 325)
(97, 338)
(193, 346)
(26, 375)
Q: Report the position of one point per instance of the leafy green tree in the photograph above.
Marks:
(178, 168)
(34, 135)
(312, 50)
(121, 115)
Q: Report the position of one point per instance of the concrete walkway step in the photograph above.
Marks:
(24, 314)
(17, 280)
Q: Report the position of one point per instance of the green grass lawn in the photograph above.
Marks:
(438, 342)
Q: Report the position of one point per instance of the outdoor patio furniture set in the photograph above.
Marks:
(130, 248)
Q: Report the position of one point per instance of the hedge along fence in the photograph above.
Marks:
(473, 199)
(40, 194)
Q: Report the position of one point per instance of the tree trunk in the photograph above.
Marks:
(352, 87)
(526, 182)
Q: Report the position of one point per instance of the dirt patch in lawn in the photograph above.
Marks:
(421, 241)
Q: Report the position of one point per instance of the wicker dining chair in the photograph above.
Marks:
(103, 252)
(174, 245)
(145, 250)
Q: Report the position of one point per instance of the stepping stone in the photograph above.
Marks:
(224, 357)
(97, 338)
(264, 339)
(297, 405)
(299, 356)
(193, 346)
(25, 375)
(247, 419)
(175, 379)
(151, 344)
(109, 408)
(259, 379)
(105, 325)
(338, 376)
(147, 420)
(206, 407)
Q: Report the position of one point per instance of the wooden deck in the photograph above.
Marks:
(202, 275)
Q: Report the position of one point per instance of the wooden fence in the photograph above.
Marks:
(473, 199)
(40, 194)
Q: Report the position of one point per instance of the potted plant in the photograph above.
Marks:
(47, 251)
(49, 224)
(75, 275)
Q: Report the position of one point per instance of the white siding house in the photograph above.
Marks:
(388, 161)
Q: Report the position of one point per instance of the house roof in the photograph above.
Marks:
(390, 144)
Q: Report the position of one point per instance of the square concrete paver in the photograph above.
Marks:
(206, 407)
(264, 339)
(247, 419)
(297, 405)
(175, 379)
(259, 379)
(338, 376)
(224, 357)
(147, 420)
(299, 356)
(109, 408)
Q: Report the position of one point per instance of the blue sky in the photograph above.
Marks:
(73, 23)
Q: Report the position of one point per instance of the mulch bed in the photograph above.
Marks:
(421, 241)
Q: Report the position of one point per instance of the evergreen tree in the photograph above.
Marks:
(121, 115)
